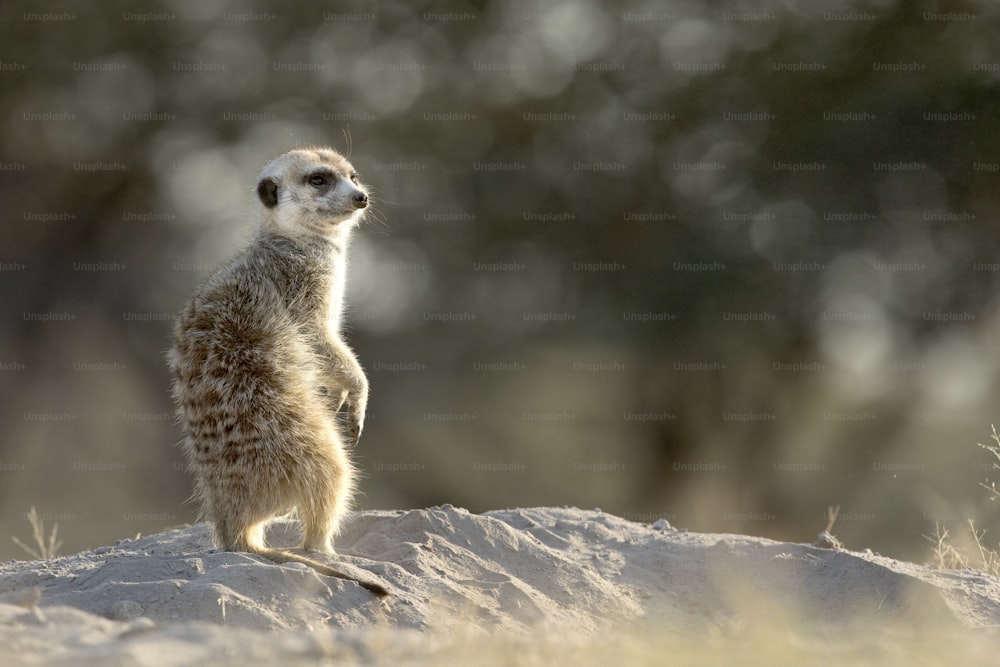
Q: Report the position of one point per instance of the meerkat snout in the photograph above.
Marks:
(360, 200)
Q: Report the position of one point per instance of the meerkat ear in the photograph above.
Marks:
(267, 190)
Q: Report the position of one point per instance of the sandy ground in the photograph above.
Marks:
(525, 586)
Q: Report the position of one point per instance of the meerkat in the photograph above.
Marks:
(260, 369)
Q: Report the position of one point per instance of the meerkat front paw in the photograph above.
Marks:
(352, 418)
(354, 427)
(333, 399)
(357, 406)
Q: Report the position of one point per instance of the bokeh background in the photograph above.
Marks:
(722, 263)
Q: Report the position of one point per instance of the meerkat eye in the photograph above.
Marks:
(318, 180)
(354, 177)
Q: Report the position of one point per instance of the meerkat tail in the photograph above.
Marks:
(282, 556)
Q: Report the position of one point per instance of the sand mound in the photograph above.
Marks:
(518, 572)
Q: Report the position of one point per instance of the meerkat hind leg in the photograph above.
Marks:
(318, 538)
(236, 533)
(320, 516)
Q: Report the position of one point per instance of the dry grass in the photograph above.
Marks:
(946, 556)
(970, 551)
(48, 546)
(994, 449)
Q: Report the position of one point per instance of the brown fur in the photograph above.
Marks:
(260, 368)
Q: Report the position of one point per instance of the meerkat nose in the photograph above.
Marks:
(360, 200)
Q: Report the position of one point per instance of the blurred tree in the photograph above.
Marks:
(728, 264)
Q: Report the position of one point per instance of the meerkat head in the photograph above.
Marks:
(312, 191)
